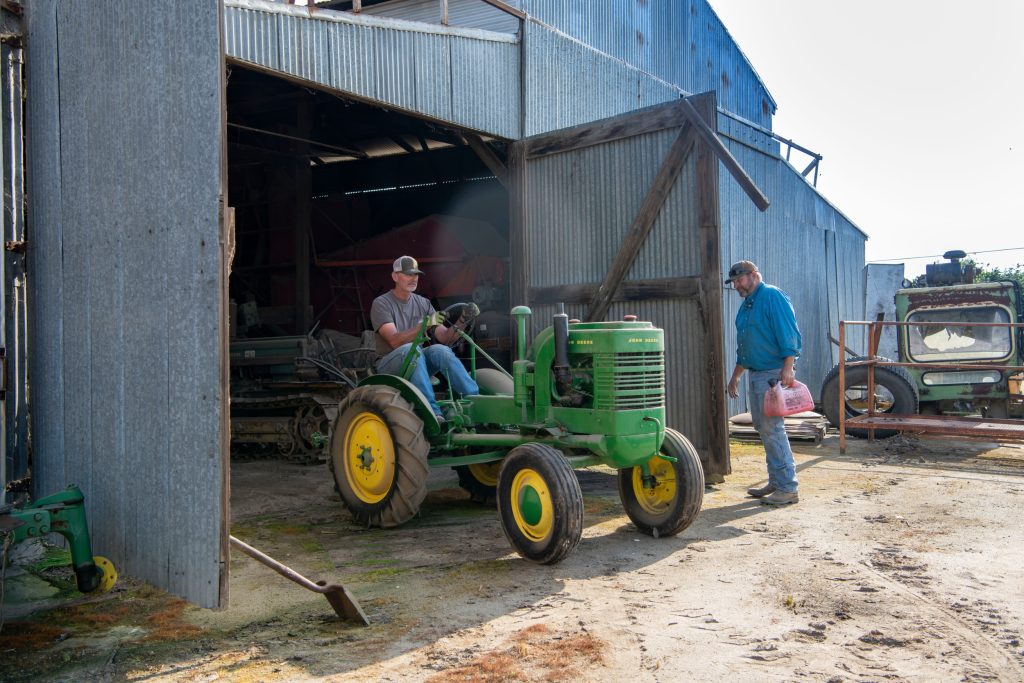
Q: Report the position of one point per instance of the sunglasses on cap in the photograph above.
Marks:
(733, 274)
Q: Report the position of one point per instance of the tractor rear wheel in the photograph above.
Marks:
(480, 480)
(895, 394)
(379, 456)
(540, 504)
(674, 501)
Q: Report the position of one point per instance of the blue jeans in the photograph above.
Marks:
(433, 359)
(777, 453)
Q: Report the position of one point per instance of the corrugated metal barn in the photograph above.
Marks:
(204, 174)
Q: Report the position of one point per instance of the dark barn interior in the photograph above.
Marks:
(326, 193)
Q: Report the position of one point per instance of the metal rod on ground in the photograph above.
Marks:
(343, 603)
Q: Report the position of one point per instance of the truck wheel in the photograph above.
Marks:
(675, 500)
(895, 394)
(480, 480)
(379, 456)
(540, 504)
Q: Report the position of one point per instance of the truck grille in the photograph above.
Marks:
(628, 381)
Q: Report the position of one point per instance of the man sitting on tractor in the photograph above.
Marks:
(397, 315)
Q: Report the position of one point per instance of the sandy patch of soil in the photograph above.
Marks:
(901, 562)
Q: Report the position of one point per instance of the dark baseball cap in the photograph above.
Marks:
(407, 266)
(740, 268)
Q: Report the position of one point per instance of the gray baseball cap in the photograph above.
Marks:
(407, 266)
(740, 268)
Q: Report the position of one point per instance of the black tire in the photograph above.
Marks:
(480, 481)
(895, 394)
(675, 500)
(379, 456)
(540, 504)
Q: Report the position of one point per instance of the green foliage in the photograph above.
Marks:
(986, 273)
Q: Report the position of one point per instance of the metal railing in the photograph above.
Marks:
(995, 429)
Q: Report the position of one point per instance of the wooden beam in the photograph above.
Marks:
(710, 302)
(400, 141)
(357, 6)
(487, 155)
(707, 133)
(508, 9)
(644, 220)
(648, 120)
(444, 12)
(630, 290)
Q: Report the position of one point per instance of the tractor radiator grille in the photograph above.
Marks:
(628, 381)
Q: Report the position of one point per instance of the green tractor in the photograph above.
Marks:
(978, 338)
(582, 394)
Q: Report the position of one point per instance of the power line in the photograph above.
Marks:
(969, 253)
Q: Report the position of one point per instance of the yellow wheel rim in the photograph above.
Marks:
(109, 577)
(486, 473)
(531, 505)
(659, 499)
(369, 457)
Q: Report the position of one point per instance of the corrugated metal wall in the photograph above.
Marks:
(127, 314)
(464, 76)
(568, 83)
(467, 13)
(801, 244)
(682, 43)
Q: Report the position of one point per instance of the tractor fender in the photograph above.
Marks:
(420, 404)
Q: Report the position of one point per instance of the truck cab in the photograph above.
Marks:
(973, 338)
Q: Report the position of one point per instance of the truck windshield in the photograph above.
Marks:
(961, 341)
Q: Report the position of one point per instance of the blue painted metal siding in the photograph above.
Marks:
(467, 77)
(801, 244)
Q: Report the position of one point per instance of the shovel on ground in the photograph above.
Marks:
(343, 603)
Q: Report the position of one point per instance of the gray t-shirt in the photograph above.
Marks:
(388, 308)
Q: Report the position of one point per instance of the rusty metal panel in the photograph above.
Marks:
(802, 244)
(126, 120)
(579, 205)
(465, 76)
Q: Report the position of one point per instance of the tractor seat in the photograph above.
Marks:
(494, 382)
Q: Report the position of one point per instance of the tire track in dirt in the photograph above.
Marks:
(988, 651)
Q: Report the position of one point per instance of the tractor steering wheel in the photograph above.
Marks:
(454, 313)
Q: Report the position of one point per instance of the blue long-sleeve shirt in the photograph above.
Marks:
(766, 329)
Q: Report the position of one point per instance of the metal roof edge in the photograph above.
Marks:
(370, 20)
(743, 54)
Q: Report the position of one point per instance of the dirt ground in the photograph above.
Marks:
(902, 562)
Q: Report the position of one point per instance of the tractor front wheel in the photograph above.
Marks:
(673, 502)
(540, 504)
(379, 456)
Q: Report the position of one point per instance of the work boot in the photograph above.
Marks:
(761, 492)
(780, 498)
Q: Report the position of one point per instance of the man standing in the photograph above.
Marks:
(767, 344)
(396, 316)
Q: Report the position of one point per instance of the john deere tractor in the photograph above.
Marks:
(581, 394)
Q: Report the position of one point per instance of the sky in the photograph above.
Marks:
(917, 108)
